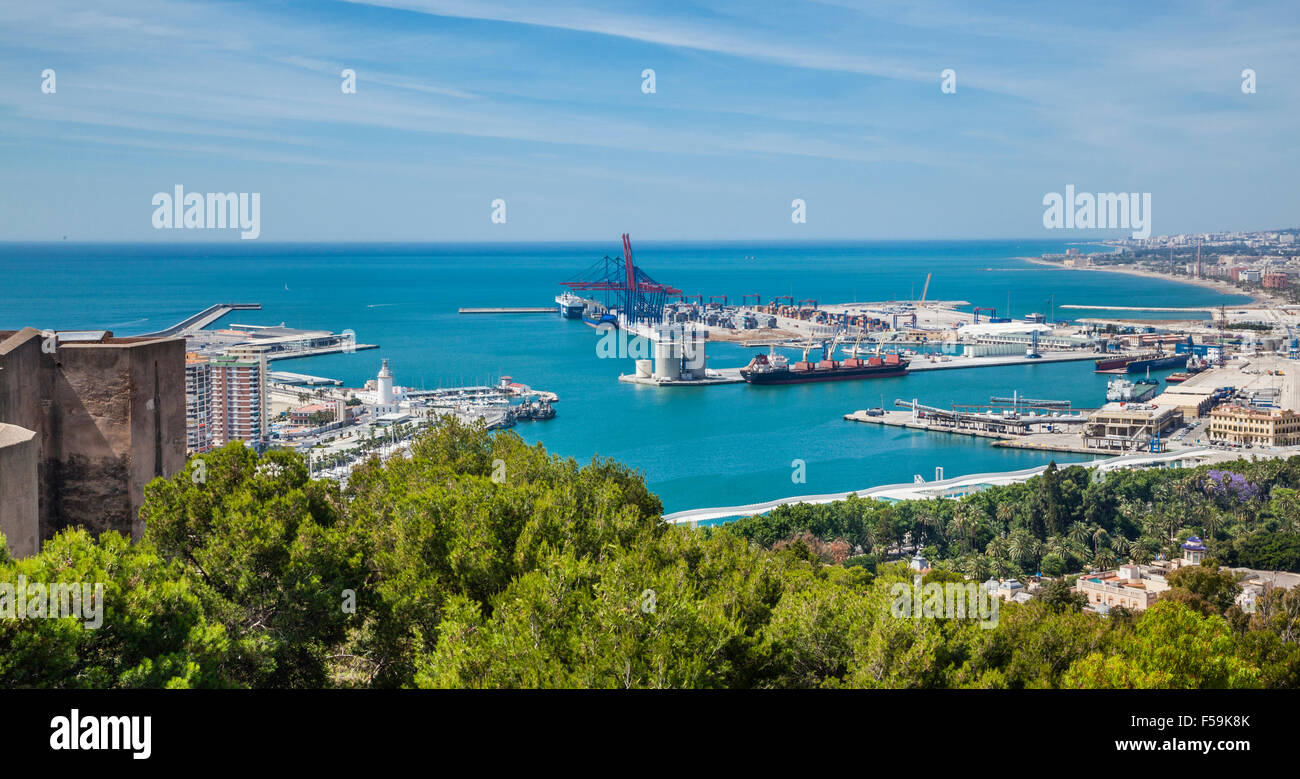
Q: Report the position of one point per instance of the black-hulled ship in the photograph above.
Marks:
(775, 369)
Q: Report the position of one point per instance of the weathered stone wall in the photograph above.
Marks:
(19, 454)
(109, 418)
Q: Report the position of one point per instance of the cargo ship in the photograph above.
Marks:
(570, 305)
(776, 369)
(1137, 363)
(1153, 362)
(1112, 364)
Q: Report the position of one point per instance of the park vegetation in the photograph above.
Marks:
(482, 562)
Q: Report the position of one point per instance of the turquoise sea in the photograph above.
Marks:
(696, 446)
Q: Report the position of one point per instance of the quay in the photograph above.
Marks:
(202, 319)
(958, 486)
(920, 363)
(1027, 438)
(723, 376)
(504, 310)
(1203, 309)
(290, 378)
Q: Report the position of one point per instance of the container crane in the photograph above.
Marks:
(642, 298)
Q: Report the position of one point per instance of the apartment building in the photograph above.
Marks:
(239, 400)
(1267, 427)
(198, 403)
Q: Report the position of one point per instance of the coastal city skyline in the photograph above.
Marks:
(431, 345)
(749, 108)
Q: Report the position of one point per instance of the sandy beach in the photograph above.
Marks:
(1227, 288)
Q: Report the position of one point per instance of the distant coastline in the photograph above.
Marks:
(1216, 285)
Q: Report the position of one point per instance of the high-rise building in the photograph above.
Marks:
(198, 403)
(239, 400)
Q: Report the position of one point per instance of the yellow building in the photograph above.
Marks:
(1267, 427)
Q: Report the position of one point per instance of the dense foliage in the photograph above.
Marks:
(1069, 520)
(483, 562)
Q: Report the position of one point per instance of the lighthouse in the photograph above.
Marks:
(385, 385)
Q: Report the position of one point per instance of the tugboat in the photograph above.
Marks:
(1194, 366)
(775, 369)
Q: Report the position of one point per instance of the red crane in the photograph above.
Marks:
(814, 303)
(723, 298)
(643, 298)
(993, 312)
(777, 300)
(758, 301)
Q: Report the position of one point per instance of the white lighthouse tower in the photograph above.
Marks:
(385, 385)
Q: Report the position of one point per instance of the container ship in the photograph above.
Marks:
(570, 305)
(775, 369)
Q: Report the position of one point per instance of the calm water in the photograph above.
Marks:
(697, 446)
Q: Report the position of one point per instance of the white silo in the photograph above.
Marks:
(668, 358)
(385, 385)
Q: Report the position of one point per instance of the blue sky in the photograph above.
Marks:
(540, 103)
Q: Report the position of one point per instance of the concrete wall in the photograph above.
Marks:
(109, 416)
(19, 454)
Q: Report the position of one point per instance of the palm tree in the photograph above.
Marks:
(1005, 513)
(933, 524)
(1099, 537)
(1036, 551)
(1017, 547)
(1209, 522)
(962, 524)
(1055, 545)
(1078, 532)
(1104, 560)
